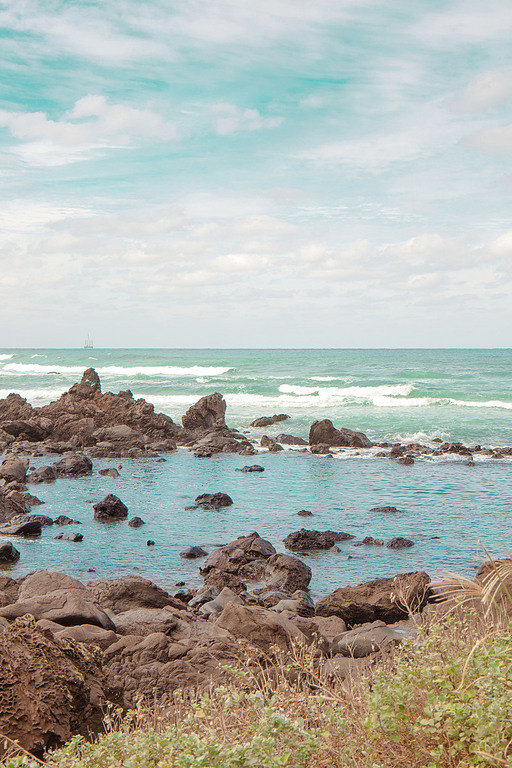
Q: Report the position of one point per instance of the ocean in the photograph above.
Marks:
(448, 509)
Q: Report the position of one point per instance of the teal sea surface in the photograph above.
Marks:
(446, 507)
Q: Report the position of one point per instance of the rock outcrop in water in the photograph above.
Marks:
(105, 424)
(325, 433)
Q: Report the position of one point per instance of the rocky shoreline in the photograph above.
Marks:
(68, 647)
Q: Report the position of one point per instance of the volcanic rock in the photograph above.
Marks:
(129, 592)
(42, 475)
(44, 520)
(110, 509)
(267, 421)
(260, 627)
(13, 469)
(207, 413)
(369, 638)
(193, 552)
(290, 440)
(110, 472)
(49, 690)
(385, 510)
(76, 465)
(399, 543)
(239, 552)
(306, 540)
(325, 432)
(65, 520)
(136, 522)
(387, 600)
(287, 573)
(8, 552)
(27, 528)
(270, 445)
(70, 536)
(252, 468)
(213, 500)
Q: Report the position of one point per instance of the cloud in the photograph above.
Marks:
(92, 125)
(231, 119)
(486, 90)
(494, 140)
(466, 22)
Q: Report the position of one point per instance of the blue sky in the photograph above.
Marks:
(242, 173)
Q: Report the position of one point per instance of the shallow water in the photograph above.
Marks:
(447, 508)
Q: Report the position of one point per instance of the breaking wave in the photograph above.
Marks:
(116, 370)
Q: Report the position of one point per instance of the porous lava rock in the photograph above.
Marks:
(304, 540)
(324, 432)
(49, 690)
(387, 600)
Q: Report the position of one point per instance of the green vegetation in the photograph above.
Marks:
(443, 700)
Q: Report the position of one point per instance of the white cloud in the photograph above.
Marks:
(92, 125)
(494, 140)
(466, 22)
(231, 119)
(486, 90)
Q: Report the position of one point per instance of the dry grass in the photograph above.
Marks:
(443, 700)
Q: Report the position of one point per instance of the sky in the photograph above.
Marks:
(256, 173)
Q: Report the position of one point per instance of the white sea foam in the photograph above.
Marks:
(38, 396)
(483, 404)
(6, 357)
(364, 393)
(117, 370)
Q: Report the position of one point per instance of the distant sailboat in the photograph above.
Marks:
(88, 342)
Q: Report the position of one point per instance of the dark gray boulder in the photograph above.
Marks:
(307, 540)
(111, 509)
(8, 552)
(213, 500)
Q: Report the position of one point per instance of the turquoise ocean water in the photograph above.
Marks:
(391, 395)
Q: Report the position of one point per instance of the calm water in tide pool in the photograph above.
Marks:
(395, 395)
